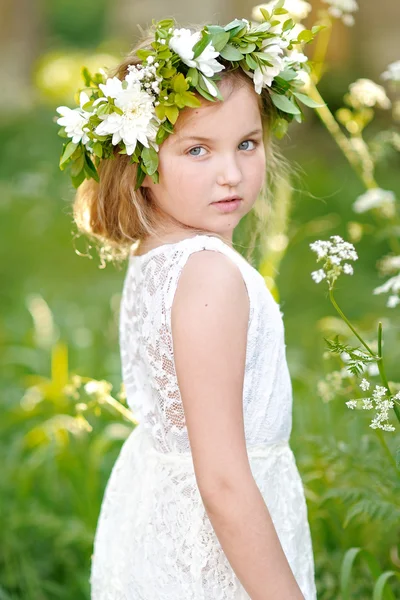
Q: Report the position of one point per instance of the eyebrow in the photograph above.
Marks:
(200, 138)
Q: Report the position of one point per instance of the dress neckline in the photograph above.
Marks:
(170, 244)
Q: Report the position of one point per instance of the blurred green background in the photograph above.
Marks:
(59, 310)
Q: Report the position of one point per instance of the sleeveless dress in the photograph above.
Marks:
(154, 540)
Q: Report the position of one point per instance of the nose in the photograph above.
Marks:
(229, 173)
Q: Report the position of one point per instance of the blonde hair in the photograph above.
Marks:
(114, 216)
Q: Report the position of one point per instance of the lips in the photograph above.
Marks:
(228, 199)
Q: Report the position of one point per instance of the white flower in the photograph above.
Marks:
(74, 120)
(342, 9)
(351, 403)
(297, 10)
(364, 385)
(318, 276)
(393, 301)
(391, 285)
(393, 72)
(367, 404)
(375, 197)
(182, 42)
(138, 123)
(365, 92)
(333, 252)
(272, 48)
(389, 264)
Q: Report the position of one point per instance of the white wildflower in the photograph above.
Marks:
(297, 9)
(391, 285)
(393, 72)
(348, 269)
(182, 42)
(364, 385)
(393, 301)
(389, 264)
(333, 252)
(373, 198)
(367, 404)
(342, 9)
(352, 404)
(318, 276)
(75, 120)
(138, 123)
(367, 93)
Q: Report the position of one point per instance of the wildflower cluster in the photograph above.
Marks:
(376, 198)
(333, 253)
(135, 115)
(378, 401)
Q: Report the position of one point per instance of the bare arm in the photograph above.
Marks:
(209, 326)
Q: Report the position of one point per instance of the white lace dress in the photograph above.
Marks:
(154, 540)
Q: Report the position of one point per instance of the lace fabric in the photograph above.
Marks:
(154, 540)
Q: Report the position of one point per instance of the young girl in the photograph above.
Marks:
(205, 501)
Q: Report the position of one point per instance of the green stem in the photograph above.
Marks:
(342, 141)
(346, 320)
(321, 47)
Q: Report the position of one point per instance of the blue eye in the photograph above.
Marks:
(195, 148)
(247, 142)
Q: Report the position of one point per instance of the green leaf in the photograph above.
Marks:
(201, 45)
(289, 24)
(61, 132)
(219, 40)
(155, 177)
(86, 76)
(98, 149)
(172, 113)
(280, 11)
(279, 4)
(194, 76)
(68, 152)
(77, 165)
(307, 100)
(165, 24)
(90, 169)
(379, 587)
(284, 104)
(167, 72)
(317, 28)
(251, 63)
(233, 24)
(150, 159)
(248, 48)
(305, 36)
(204, 93)
(140, 175)
(160, 111)
(288, 74)
(77, 179)
(265, 14)
(229, 52)
(179, 83)
(189, 99)
(215, 29)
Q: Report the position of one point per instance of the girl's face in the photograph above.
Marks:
(215, 152)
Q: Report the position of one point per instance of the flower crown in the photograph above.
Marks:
(138, 113)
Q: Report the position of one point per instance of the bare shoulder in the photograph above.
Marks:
(212, 275)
